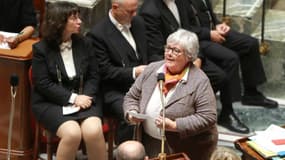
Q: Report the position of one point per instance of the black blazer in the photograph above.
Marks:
(160, 22)
(47, 65)
(202, 28)
(17, 14)
(115, 55)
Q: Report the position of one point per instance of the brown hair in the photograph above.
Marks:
(55, 20)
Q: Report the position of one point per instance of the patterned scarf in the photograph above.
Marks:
(171, 80)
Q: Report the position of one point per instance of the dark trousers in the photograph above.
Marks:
(219, 82)
(241, 48)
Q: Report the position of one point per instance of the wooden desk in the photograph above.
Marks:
(16, 61)
(247, 152)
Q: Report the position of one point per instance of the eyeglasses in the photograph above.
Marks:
(173, 51)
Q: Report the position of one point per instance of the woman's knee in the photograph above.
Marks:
(92, 128)
(70, 131)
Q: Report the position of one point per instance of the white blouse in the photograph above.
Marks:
(67, 57)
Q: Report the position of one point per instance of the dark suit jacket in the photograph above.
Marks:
(116, 57)
(245, 46)
(202, 28)
(160, 22)
(16, 14)
(47, 92)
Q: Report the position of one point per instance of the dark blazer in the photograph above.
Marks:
(245, 46)
(200, 18)
(192, 106)
(116, 57)
(47, 65)
(160, 22)
(17, 14)
(202, 12)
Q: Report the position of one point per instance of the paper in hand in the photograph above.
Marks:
(139, 115)
(5, 45)
(69, 109)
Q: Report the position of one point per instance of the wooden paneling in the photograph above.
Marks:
(16, 61)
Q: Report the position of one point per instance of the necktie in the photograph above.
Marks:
(204, 2)
(196, 15)
(173, 8)
(209, 15)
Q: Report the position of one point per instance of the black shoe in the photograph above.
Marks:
(232, 123)
(258, 100)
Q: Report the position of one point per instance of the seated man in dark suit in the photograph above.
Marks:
(161, 19)
(120, 46)
(221, 44)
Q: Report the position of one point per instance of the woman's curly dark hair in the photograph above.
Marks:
(55, 20)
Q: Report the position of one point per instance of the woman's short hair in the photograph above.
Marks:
(224, 153)
(55, 20)
(187, 40)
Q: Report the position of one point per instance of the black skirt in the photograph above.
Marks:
(53, 117)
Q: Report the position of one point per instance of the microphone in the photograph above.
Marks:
(14, 80)
(161, 79)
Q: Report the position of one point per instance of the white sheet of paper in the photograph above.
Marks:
(264, 138)
(139, 115)
(69, 109)
(5, 45)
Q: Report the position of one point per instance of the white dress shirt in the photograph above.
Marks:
(173, 8)
(67, 57)
(125, 30)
